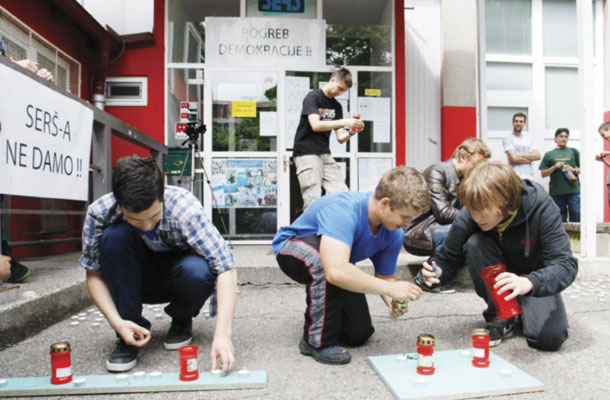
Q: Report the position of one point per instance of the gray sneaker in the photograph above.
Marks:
(334, 355)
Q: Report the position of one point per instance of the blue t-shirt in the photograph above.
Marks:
(152, 239)
(345, 216)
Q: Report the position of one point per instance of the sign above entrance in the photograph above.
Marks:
(265, 42)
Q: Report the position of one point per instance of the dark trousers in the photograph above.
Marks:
(568, 204)
(544, 320)
(135, 274)
(333, 315)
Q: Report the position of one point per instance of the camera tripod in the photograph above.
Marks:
(193, 133)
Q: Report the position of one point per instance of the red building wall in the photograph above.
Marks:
(457, 125)
(144, 60)
(148, 61)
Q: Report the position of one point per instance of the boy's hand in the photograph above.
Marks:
(5, 267)
(431, 273)
(559, 164)
(519, 285)
(133, 334)
(354, 123)
(222, 348)
(404, 290)
(398, 309)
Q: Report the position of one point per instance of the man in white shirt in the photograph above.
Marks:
(520, 150)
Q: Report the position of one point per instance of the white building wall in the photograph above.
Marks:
(423, 80)
(125, 17)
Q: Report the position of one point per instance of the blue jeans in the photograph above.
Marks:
(135, 274)
(438, 237)
(568, 204)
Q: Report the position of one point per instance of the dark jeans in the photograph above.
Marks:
(333, 315)
(568, 204)
(135, 274)
(545, 324)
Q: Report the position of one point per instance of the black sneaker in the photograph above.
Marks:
(19, 272)
(180, 334)
(438, 289)
(334, 355)
(123, 358)
(497, 333)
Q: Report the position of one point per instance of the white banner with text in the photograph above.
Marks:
(45, 140)
(265, 42)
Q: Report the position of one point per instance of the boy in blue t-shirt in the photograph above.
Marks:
(321, 247)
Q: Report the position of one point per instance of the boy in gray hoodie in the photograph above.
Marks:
(502, 214)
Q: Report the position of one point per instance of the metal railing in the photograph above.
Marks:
(104, 127)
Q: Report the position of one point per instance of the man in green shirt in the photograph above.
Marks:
(562, 164)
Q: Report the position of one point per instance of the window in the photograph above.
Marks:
(501, 118)
(508, 26)
(22, 42)
(559, 20)
(127, 91)
(561, 96)
(509, 76)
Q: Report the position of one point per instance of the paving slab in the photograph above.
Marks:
(268, 325)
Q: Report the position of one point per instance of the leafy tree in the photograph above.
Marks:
(358, 44)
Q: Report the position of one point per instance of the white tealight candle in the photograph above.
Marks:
(139, 374)
(79, 381)
(155, 374)
(505, 372)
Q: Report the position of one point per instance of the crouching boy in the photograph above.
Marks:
(321, 247)
(513, 222)
(150, 243)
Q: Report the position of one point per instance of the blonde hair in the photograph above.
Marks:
(405, 187)
(491, 184)
(470, 147)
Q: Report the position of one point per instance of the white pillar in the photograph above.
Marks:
(588, 226)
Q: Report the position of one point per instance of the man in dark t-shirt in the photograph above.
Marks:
(322, 113)
(562, 164)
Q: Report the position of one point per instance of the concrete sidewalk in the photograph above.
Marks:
(56, 288)
(268, 325)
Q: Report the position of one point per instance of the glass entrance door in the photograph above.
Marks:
(364, 158)
(297, 85)
(240, 152)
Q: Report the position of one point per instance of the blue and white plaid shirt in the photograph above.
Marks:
(184, 226)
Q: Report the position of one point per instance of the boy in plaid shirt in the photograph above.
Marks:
(146, 243)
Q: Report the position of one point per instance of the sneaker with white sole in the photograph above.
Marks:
(123, 358)
(497, 333)
(438, 289)
(180, 334)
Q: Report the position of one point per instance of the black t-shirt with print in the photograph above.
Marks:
(306, 140)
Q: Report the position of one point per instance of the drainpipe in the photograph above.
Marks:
(98, 97)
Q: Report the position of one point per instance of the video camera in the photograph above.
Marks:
(194, 129)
